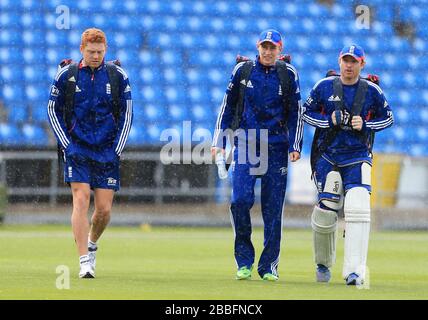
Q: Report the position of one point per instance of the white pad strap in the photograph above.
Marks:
(324, 226)
(357, 227)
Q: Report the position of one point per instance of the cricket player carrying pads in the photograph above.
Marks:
(346, 110)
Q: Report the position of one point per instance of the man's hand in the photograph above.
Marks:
(344, 120)
(357, 123)
(294, 156)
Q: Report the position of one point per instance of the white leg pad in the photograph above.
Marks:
(324, 226)
(357, 228)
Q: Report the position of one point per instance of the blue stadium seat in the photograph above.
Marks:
(385, 13)
(32, 20)
(32, 56)
(216, 76)
(197, 94)
(36, 92)
(160, 40)
(152, 94)
(149, 76)
(178, 113)
(422, 114)
(34, 135)
(416, 150)
(33, 38)
(382, 28)
(10, 93)
(53, 4)
(10, 74)
(9, 38)
(9, 57)
(175, 94)
(151, 112)
(173, 76)
(39, 111)
(201, 113)
(74, 38)
(34, 73)
(153, 132)
(121, 39)
(216, 94)
(18, 114)
(10, 135)
(171, 57)
(401, 115)
(127, 57)
(10, 20)
(147, 57)
(56, 38)
(195, 76)
(136, 135)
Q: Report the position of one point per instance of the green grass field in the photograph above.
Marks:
(197, 263)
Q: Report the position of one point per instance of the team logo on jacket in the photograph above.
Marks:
(283, 170)
(111, 181)
(108, 88)
(333, 98)
(54, 91)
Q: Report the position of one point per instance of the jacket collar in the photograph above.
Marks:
(263, 67)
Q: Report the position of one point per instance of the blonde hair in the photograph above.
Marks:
(93, 35)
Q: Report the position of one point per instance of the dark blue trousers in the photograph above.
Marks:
(273, 187)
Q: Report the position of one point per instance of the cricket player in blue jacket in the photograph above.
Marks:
(346, 110)
(92, 142)
(277, 137)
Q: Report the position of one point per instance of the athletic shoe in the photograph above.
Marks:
(244, 273)
(354, 280)
(86, 270)
(323, 273)
(270, 277)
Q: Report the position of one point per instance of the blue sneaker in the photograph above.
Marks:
(354, 280)
(323, 273)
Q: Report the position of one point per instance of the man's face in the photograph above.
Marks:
(350, 67)
(93, 53)
(268, 53)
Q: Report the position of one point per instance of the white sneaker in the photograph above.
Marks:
(92, 256)
(86, 270)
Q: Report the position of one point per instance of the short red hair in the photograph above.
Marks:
(93, 35)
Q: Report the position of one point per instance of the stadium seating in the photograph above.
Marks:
(179, 55)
